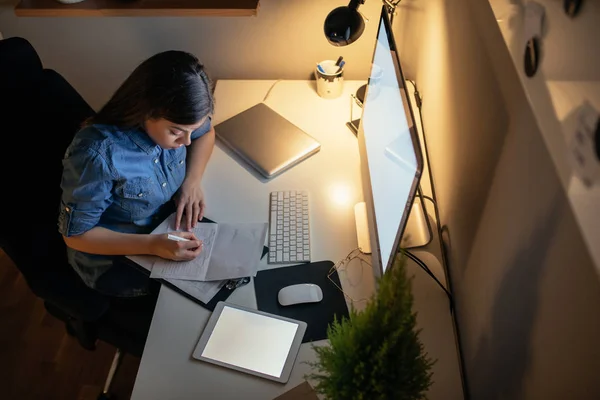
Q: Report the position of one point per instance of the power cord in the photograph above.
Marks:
(425, 268)
(433, 198)
(270, 89)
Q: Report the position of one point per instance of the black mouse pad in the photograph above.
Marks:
(318, 316)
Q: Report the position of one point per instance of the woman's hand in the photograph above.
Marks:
(175, 250)
(190, 204)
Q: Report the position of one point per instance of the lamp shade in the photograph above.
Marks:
(344, 25)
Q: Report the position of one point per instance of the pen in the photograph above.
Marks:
(177, 238)
(339, 60)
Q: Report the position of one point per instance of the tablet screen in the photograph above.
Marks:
(252, 341)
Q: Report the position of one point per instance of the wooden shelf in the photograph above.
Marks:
(138, 8)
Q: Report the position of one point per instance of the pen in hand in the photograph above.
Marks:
(182, 239)
(177, 238)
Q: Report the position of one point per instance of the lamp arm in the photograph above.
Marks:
(355, 3)
(391, 8)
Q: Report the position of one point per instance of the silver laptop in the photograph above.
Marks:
(267, 141)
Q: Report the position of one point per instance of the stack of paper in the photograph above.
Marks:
(229, 251)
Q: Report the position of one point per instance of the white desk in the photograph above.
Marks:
(332, 178)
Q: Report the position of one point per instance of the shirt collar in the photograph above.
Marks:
(141, 138)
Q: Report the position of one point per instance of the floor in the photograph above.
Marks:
(39, 360)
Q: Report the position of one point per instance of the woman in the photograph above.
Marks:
(148, 145)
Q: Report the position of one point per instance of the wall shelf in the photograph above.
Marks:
(138, 8)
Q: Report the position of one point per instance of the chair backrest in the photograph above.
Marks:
(42, 115)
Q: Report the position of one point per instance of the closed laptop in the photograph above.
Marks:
(266, 140)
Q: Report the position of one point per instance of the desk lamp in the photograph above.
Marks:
(345, 24)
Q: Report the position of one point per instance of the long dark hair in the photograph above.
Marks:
(172, 85)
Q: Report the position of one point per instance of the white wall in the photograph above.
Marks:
(285, 40)
(529, 294)
(525, 287)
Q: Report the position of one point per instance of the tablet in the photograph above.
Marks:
(251, 341)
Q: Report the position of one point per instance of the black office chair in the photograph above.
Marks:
(40, 114)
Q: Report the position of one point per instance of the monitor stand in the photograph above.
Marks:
(359, 98)
(416, 234)
(353, 126)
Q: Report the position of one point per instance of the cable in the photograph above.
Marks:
(430, 199)
(433, 198)
(271, 88)
(424, 266)
(424, 209)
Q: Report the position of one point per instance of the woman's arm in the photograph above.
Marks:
(190, 199)
(198, 154)
(103, 241)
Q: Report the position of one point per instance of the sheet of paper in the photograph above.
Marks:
(237, 251)
(195, 269)
(203, 291)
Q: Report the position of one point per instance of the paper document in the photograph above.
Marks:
(230, 251)
(237, 251)
(195, 269)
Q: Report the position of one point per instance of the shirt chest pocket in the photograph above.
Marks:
(138, 197)
(176, 169)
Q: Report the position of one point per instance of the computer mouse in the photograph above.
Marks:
(299, 294)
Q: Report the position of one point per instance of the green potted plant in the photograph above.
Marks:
(376, 353)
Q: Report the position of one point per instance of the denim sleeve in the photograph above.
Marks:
(86, 191)
(203, 129)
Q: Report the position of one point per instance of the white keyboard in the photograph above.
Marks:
(289, 231)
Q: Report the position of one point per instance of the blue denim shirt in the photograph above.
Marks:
(120, 180)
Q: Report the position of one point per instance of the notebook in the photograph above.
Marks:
(265, 140)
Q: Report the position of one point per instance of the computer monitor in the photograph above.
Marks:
(391, 159)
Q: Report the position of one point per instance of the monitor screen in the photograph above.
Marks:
(390, 151)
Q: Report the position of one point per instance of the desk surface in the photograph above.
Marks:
(332, 178)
